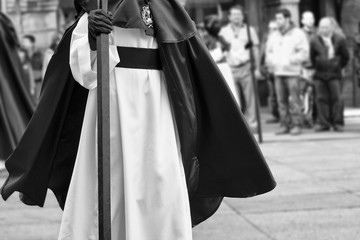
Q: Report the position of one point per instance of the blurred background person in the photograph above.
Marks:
(28, 73)
(339, 31)
(308, 22)
(307, 83)
(16, 105)
(48, 53)
(269, 75)
(218, 48)
(238, 58)
(286, 52)
(36, 59)
(329, 55)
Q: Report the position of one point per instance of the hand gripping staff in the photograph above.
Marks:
(104, 198)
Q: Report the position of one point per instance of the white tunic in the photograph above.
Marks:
(148, 189)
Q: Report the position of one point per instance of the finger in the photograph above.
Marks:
(104, 14)
(104, 20)
(99, 11)
(101, 25)
(103, 30)
(98, 29)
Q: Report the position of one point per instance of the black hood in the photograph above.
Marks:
(168, 16)
(126, 13)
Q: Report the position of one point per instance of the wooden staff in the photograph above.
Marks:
(104, 197)
(254, 80)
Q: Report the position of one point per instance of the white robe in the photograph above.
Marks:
(148, 188)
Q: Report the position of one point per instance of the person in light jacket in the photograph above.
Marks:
(238, 57)
(286, 52)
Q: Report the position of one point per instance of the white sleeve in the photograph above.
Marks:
(301, 53)
(83, 62)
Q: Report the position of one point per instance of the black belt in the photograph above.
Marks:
(140, 58)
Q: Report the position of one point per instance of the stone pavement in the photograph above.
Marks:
(317, 197)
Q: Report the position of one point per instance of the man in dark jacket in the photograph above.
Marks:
(329, 56)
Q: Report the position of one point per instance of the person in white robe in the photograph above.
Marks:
(149, 198)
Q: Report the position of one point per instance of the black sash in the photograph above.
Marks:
(140, 58)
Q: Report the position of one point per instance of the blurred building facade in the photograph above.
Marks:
(41, 18)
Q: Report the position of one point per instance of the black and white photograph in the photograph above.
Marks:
(179, 119)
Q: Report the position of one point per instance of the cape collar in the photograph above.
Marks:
(132, 14)
(126, 13)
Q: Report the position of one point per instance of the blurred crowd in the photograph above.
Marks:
(34, 62)
(303, 67)
(22, 69)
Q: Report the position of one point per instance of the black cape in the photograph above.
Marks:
(221, 158)
(16, 105)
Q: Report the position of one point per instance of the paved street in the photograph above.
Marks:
(317, 197)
